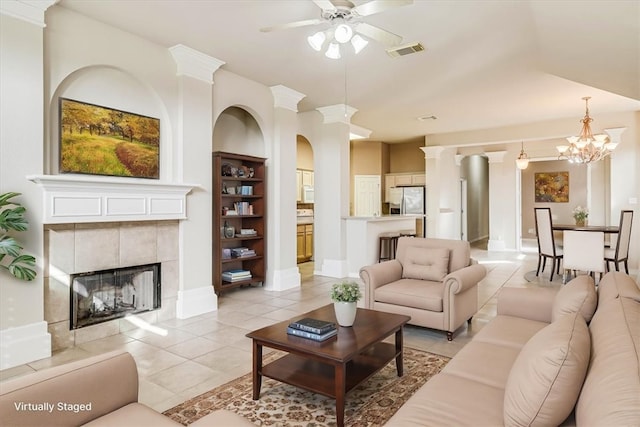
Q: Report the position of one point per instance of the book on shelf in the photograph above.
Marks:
(242, 252)
(248, 232)
(236, 275)
(310, 335)
(314, 326)
(243, 208)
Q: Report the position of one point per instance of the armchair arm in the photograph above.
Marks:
(376, 275)
(533, 304)
(463, 279)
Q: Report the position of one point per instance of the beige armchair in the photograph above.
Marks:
(432, 280)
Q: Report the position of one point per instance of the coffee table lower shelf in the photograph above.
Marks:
(319, 377)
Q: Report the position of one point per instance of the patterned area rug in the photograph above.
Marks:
(372, 403)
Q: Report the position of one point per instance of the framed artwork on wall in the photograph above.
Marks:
(99, 140)
(551, 187)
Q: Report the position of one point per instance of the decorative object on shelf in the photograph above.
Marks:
(99, 140)
(345, 296)
(587, 147)
(523, 160)
(12, 218)
(580, 214)
(229, 231)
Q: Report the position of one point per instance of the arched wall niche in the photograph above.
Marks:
(236, 130)
(115, 88)
(304, 153)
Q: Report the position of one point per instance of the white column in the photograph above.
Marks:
(23, 332)
(193, 154)
(331, 178)
(282, 269)
(497, 201)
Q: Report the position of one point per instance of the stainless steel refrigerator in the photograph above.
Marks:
(410, 201)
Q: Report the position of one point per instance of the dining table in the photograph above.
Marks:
(606, 229)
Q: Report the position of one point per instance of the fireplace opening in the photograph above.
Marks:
(99, 296)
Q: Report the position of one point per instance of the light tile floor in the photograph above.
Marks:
(191, 356)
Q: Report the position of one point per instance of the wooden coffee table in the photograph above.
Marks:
(335, 366)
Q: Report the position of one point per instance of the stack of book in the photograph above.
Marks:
(242, 252)
(314, 329)
(236, 275)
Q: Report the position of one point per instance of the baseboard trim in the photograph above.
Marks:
(282, 280)
(24, 344)
(194, 302)
(334, 268)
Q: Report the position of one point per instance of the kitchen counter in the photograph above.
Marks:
(363, 234)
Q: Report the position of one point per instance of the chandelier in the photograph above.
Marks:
(587, 147)
(336, 36)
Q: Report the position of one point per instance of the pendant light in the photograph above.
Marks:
(523, 160)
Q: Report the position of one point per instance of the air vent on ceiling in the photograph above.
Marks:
(406, 49)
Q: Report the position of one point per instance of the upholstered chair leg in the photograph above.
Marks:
(626, 267)
(449, 336)
(553, 268)
(539, 262)
(469, 320)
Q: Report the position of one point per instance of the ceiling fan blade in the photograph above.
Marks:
(377, 6)
(292, 25)
(384, 37)
(325, 5)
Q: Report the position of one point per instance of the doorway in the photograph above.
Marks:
(367, 200)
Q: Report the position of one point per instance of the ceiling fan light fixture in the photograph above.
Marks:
(343, 33)
(358, 43)
(333, 51)
(317, 40)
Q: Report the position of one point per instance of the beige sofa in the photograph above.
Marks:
(435, 281)
(545, 360)
(98, 391)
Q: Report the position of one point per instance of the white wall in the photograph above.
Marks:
(23, 332)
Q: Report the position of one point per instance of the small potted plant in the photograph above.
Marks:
(345, 296)
(580, 214)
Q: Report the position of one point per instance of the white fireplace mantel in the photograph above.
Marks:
(79, 198)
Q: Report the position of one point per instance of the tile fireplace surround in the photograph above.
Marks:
(85, 247)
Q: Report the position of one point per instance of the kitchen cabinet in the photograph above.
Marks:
(298, 185)
(239, 226)
(399, 179)
(304, 240)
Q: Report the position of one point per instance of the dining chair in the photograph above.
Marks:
(583, 251)
(546, 242)
(621, 252)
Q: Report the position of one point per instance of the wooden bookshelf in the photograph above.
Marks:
(239, 187)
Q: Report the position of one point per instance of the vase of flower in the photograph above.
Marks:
(580, 215)
(345, 296)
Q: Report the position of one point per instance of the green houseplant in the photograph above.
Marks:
(345, 295)
(580, 214)
(11, 258)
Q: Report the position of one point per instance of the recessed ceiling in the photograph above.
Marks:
(486, 64)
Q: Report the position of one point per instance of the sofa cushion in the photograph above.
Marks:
(414, 293)
(617, 284)
(134, 414)
(425, 263)
(579, 295)
(509, 331)
(545, 380)
(450, 400)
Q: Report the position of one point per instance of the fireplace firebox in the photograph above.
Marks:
(100, 296)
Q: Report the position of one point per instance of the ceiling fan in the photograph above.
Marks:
(345, 25)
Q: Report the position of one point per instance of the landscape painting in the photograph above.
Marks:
(103, 141)
(552, 187)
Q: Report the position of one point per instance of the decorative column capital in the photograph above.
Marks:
(458, 159)
(284, 97)
(615, 134)
(358, 132)
(432, 152)
(339, 113)
(195, 64)
(495, 156)
(28, 11)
